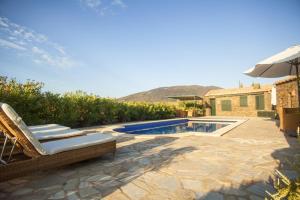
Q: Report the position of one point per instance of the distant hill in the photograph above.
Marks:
(160, 94)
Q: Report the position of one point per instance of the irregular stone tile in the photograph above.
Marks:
(133, 191)
(123, 175)
(159, 194)
(213, 196)
(129, 178)
(105, 178)
(72, 195)
(194, 185)
(116, 195)
(184, 194)
(51, 188)
(259, 189)
(84, 184)
(199, 195)
(233, 191)
(93, 198)
(43, 194)
(230, 198)
(113, 170)
(22, 191)
(108, 187)
(144, 161)
(168, 183)
(254, 197)
(237, 178)
(71, 184)
(58, 195)
(142, 184)
(88, 191)
(83, 178)
(211, 185)
(98, 177)
(48, 181)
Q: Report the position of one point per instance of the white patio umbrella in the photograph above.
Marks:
(284, 63)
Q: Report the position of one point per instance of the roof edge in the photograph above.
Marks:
(286, 80)
(227, 92)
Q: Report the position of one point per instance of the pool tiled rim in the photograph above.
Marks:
(217, 133)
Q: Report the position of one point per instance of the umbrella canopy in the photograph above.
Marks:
(282, 64)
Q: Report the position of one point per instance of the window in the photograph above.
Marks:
(226, 105)
(260, 102)
(243, 101)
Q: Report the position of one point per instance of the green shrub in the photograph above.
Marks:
(75, 109)
(190, 105)
(264, 113)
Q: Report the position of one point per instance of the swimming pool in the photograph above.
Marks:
(182, 126)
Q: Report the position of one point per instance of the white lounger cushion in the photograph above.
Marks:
(57, 134)
(17, 120)
(47, 128)
(58, 146)
(53, 131)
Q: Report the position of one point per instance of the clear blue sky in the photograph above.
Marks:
(118, 47)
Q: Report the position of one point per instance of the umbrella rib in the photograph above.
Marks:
(266, 70)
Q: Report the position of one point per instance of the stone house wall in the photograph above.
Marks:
(287, 94)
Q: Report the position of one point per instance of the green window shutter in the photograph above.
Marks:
(243, 101)
(260, 102)
(226, 105)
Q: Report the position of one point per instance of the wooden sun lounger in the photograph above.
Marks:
(32, 160)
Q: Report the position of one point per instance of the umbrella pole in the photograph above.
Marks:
(297, 74)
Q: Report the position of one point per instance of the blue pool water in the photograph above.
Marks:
(173, 126)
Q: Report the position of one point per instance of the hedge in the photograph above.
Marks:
(75, 109)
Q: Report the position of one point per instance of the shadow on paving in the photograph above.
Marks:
(257, 189)
(135, 159)
(99, 177)
(276, 121)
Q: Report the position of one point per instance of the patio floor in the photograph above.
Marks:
(234, 166)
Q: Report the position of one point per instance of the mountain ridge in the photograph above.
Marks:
(160, 94)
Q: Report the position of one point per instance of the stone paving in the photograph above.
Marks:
(236, 166)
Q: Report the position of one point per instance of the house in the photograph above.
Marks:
(243, 101)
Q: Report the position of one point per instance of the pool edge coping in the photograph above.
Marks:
(217, 133)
